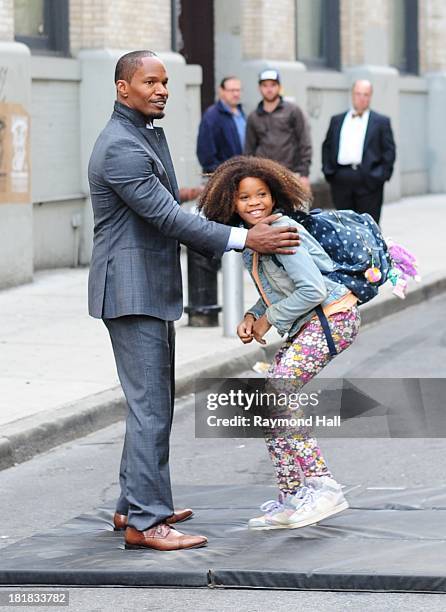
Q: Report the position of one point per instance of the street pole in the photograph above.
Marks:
(202, 306)
(233, 307)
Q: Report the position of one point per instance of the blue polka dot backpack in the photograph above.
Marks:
(356, 245)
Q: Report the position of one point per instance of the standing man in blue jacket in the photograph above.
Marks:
(222, 128)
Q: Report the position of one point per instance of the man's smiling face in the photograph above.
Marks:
(147, 90)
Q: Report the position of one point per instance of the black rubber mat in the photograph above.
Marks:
(389, 540)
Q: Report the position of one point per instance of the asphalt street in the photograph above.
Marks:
(79, 476)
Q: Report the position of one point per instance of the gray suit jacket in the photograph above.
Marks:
(135, 267)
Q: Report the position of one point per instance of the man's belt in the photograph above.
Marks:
(352, 166)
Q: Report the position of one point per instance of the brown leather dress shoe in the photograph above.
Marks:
(179, 516)
(120, 520)
(162, 537)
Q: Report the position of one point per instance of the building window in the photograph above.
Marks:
(193, 37)
(404, 35)
(42, 25)
(317, 33)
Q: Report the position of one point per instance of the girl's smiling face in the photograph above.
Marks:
(253, 201)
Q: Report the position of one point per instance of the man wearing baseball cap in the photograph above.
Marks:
(278, 129)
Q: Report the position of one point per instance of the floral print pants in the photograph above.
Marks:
(294, 453)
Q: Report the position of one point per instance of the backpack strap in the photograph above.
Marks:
(321, 316)
(276, 261)
(326, 330)
(256, 277)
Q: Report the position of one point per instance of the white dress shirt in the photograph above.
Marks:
(351, 141)
(237, 238)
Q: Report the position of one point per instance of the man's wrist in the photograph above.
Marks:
(237, 239)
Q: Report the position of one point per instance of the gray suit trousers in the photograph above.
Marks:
(144, 353)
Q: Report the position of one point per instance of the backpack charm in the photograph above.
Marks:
(394, 275)
(404, 267)
(373, 274)
(400, 288)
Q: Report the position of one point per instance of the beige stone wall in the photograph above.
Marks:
(268, 29)
(432, 35)
(352, 32)
(376, 12)
(121, 24)
(355, 16)
(6, 20)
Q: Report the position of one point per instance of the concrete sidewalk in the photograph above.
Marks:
(57, 373)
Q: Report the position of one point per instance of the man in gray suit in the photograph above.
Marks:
(135, 287)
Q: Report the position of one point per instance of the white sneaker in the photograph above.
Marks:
(270, 508)
(316, 482)
(323, 482)
(323, 498)
(278, 515)
(320, 498)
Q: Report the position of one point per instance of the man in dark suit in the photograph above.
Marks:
(135, 287)
(358, 154)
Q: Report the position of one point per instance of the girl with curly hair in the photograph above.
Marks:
(243, 191)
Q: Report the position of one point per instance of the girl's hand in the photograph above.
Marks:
(261, 326)
(244, 329)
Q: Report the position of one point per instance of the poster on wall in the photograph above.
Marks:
(14, 154)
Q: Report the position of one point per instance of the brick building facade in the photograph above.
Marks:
(61, 72)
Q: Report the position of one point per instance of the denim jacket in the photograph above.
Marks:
(297, 288)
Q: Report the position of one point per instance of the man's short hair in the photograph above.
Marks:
(129, 63)
(227, 78)
(366, 81)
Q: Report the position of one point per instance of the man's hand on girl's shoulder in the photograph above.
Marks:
(266, 239)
